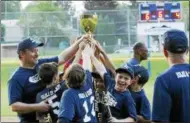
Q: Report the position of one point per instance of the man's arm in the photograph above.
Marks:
(15, 95)
(68, 53)
(26, 108)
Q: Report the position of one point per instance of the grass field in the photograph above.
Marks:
(8, 66)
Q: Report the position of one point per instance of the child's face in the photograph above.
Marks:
(123, 80)
(134, 82)
(99, 84)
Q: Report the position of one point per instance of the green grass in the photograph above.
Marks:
(7, 68)
(6, 72)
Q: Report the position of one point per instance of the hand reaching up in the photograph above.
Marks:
(84, 37)
(83, 44)
(89, 50)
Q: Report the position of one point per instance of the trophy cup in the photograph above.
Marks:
(88, 23)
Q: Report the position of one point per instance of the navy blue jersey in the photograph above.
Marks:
(123, 105)
(23, 86)
(132, 62)
(171, 100)
(78, 104)
(142, 104)
(53, 96)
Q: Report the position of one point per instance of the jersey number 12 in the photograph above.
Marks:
(85, 105)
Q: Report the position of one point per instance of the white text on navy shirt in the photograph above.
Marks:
(182, 74)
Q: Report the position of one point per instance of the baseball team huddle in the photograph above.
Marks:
(90, 88)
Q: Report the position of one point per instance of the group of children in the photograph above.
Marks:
(83, 94)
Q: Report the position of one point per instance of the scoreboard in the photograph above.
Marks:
(166, 11)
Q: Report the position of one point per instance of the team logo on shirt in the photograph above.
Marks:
(106, 99)
(182, 74)
(111, 101)
(34, 79)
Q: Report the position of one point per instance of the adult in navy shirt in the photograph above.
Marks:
(121, 103)
(141, 77)
(140, 53)
(77, 102)
(23, 85)
(171, 100)
(49, 77)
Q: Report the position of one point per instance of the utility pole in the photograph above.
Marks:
(128, 27)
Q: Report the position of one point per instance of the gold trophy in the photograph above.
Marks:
(88, 23)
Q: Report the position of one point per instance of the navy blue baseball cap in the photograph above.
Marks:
(175, 41)
(141, 72)
(28, 44)
(126, 69)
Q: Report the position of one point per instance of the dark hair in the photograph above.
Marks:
(75, 76)
(47, 71)
(138, 45)
(143, 79)
(61, 76)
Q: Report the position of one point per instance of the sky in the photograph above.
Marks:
(79, 4)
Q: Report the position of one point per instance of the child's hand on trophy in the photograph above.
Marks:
(83, 37)
(83, 44)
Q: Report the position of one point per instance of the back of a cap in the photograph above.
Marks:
(175, 41)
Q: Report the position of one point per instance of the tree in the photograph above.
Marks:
(185, 13)
(106, 19)
(128, 14)
(8, 8)
(100, 5)
(65, 6)
(46, 21)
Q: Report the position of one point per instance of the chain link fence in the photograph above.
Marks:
(116, 29)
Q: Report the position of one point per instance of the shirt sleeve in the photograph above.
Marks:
(46, 60)
(15, 91)
(161, 101)
(38, 98)
(109, 82)
(67, 109)
(88, 78)
(145, 108)
(130, 104)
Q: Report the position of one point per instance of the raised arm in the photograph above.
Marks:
(105, 59)
(68, 53)
(79, 52)
(87, 65)
(97, 64)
